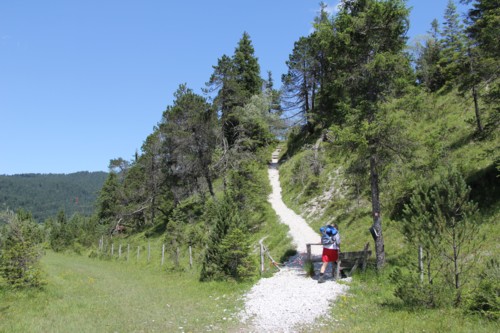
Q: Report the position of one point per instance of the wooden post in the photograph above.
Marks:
(120, 251)
(365, 257)
(128, 251)
(261, 258)
(162, 254)
(112, 249)
(149, 251)
(138, 251)
(337, 268)
(309, 255)
(177, 256)
(190, 257)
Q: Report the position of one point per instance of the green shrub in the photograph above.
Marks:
(486, 299)
(20, 252)
(416, 294)
(236, 259)
(309, 268)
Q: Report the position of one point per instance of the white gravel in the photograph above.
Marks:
(289, 300)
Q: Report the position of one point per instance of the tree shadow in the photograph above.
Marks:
(485, 186)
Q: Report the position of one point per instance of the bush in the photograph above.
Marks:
(236, 259)
(417, 294)
(486, 300)
(20, 253)
(309, 268)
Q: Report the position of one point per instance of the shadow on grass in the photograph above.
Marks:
(485, 186)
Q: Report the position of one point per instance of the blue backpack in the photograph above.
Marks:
(327, 233)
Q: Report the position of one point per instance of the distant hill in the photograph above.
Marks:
(45, 194)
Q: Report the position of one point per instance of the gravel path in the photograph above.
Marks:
(289, 300)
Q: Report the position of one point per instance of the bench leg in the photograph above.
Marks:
(337, 270)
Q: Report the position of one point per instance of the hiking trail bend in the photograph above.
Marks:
(289, 300)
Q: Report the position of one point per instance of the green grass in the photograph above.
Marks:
(88, 295)
(371, 307)
(445, 129)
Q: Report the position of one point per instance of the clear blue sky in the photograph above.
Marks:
(82, 82)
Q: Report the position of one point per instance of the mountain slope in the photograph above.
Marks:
(45, 194)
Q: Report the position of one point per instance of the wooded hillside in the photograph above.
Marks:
(399, 138)
(45, 194)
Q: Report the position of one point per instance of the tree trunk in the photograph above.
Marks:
(476, 109)
(377, 221)
(209, 182)
(420, 263)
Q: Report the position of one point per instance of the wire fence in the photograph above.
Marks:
(161, 254)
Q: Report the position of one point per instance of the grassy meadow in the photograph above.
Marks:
(90, 295)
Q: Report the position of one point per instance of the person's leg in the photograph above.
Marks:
(322, 272)
(323, 268)
(325, 258)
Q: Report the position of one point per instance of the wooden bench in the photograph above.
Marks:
(348, 261)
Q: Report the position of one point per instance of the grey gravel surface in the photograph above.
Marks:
(289, 301)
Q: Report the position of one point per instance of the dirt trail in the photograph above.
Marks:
(289, 301)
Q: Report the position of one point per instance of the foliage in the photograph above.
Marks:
(45, 194)
(485, 300)
(224, 216)
(235, 255)
(20, 251)
(440, 218)
(185, 226)
(415, 294)
(189, 130)
(235, 80)
(372, 306)
(73, 233)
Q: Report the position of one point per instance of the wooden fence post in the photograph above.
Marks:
(162, 254)
(190, 257)
(112, 249)
(177, 257)
(365, 257)
(149, 251)
(120, 251)
(261, 258)
(128, 251)
(138, 251)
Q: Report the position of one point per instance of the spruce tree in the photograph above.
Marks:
(371, 38)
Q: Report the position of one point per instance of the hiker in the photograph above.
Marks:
(330, 239)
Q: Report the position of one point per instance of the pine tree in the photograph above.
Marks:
(300, 83)
(428, 70)
(247, 68)
(236, 80)
(188, 129)
(484, 55)
(440, 217)
(20, 251)
(371, 37)
(453, 43)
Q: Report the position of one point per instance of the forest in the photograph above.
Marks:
(403, 138)
(44, 195)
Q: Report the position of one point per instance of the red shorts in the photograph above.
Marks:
(330, 255)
